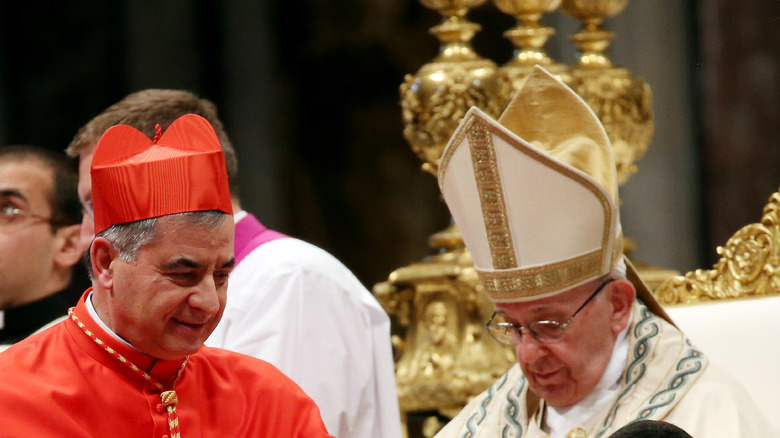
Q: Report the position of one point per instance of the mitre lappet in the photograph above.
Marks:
(535, 195)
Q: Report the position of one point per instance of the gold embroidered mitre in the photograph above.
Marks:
(535, 194)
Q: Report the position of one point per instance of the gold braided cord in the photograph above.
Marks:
(169, 398)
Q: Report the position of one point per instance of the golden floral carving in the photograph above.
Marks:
(434, 101)
(748, 266)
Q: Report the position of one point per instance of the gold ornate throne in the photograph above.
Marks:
(732, 311)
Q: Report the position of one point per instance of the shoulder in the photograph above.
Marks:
(720, 385)
(716, 394)
(32, 366)
(248, 381)
(291, 264)
(292, 252)
(248, 372)
(33, 349)
(231, 362)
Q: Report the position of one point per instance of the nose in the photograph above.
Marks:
(528, 349)
(205, 296)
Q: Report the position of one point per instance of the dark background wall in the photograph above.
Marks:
(309, 93)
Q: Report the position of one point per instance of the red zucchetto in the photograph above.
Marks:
(135, 178)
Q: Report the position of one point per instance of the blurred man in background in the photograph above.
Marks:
(39, 240)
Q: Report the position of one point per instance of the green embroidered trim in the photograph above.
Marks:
(472, 424)
(689, 365)
(644, 330)
(513, 412)
(693, 363)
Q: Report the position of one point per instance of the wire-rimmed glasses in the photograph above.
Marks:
(547, 332)
(8, 212)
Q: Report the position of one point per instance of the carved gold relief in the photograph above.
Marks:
(748, 266)
(435, 100)
(624, 106)
(446, 356)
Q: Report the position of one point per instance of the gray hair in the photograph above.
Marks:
(619, 272)
(129, 237)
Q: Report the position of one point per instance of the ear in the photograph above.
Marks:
(102, 254)
(67, 251)
(621, 297)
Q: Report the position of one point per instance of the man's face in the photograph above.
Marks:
(170, 298)
(563, 373)
(85, 195)
(27, 244)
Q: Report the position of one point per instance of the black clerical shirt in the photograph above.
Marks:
(19, 322)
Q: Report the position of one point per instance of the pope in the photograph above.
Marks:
(130, 360)
(535, 197)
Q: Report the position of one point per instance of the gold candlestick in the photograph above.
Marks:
(592, 40)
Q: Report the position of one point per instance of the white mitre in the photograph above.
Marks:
(535, 195)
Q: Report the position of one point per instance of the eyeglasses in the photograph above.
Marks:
(9, 212)
(548, 332)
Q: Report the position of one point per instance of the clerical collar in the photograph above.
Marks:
(93, 313)
(238, 215)
(560, 421)
(19, 322)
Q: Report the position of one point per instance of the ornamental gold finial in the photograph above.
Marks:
(623, 102)
(592, 40)
(529, 37)
(435, 99)
(748, 265)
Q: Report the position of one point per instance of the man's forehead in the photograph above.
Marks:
(85, 160)
(187, 229)
(533, 307)
(24, 179)
(558, 302)
(185, 245)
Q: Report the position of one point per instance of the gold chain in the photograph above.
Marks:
(169, 398)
